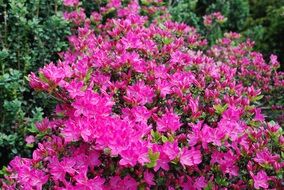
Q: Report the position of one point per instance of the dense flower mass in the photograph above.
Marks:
(143, 103)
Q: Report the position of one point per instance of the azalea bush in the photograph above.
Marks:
(145, 103)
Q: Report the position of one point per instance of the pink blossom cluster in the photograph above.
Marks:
(208, 20)
(70, 3)
(141, 106)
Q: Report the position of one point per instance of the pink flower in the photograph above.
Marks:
(36, 83)
(53, 73)
(75, 89)
(59, 169)
(137, 152)
(169, 121)
(274, 61)
(140, 93)
(70, 132)
(232, 114)
(265, 157)
(139, 114)
(92, 105)
(149, 178)
(162, 162)
(258, 116)
(193, 104)
(164, 87)
(43, 125)
(200, 183)
(261, 180)
(129, 183)
(190, 157)
(226, 161)
(93, 184)
(93, 159)
(71, 3)
(171, 150)
(30, 139)
(208, 19)
(135, 96)
(197, 135)
(214, 135)
(38, 179)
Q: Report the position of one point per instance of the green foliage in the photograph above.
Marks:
(185, 11)
(31, 34)
(268, 17)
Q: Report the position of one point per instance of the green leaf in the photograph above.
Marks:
(164, 139)
(88, 75)
(3, 171)
(153, 156)
(219, 108)
(221, 181)
(209, 186)
(29, 145)
(145, 2)
(33, 129)
(156, 135)
(167, 41)
(257, 98)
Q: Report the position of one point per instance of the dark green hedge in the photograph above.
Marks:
(31, 34)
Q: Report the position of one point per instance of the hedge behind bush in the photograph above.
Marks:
(31, 35)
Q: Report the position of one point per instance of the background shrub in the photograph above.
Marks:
(31, 34)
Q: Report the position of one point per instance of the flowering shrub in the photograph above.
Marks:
(140, 106)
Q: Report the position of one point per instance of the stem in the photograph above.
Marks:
(37, 10)
(18, 57)
(5, 26)
(170, 3)
(55, 6)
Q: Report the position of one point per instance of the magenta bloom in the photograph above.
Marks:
(140, 93)
(30, 139)
(71, 3)
(261, 180)
(265, 157)
(149, 178)
(171, 150)
(169, 121)
(190, 157)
